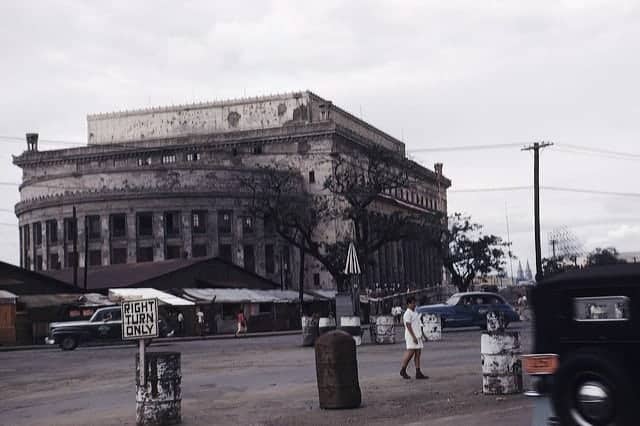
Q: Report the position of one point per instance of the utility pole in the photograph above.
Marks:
(536, 201)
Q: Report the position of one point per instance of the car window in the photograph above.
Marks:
(98, 316)
(493, 300)
(468, 300)
(116, 314)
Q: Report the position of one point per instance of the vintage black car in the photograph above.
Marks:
(587, 345)
(104, 326)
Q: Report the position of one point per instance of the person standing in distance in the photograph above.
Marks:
(180, 323)
(413, 339)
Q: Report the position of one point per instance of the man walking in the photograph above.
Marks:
(413, 339)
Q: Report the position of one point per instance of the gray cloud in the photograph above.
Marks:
(435, 73)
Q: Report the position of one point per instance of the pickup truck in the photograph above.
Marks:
(104, 326)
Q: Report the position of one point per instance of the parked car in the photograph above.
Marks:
(470, 309)
(105, 325)
(586, 345)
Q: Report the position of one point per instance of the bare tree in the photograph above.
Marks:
(361, 184)
(353, 194)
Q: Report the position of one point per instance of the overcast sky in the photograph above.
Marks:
(436, 74)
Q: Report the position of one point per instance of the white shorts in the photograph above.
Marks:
(410, 344)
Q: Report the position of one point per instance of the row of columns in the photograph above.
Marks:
(408, 262)
(29, 252)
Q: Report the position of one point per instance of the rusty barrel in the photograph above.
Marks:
(337, 371)
(325, 325)
(385, 329)
(309, 330)
(501, 365)
(159, 398)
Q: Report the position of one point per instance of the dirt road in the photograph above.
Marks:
(268, 381)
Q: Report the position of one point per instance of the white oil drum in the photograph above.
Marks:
(501, 365)
(385, 329)
(432, 327)
(352, 326)
(326, 324)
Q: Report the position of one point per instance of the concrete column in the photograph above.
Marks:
(237, 236)
(187, 236)
(61, 241)
(132, 238)
(81, 260)
(375, 270)
(21, 246)
(158, 236)
(401, 270)
(104, 235)
(393, 254)
(45, 246)
(212, 232)
(32, 239)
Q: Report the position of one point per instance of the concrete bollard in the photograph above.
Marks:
(500, 354)
(309, 330)
(159, 398)
(432, 327)
(325, 325)
(337, 371)
(351, 325)
(385, 329)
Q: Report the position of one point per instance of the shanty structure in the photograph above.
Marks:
(266, 310)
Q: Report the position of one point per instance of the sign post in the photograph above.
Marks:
(140, 322)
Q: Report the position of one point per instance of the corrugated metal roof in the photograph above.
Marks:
(7, 297)
(327, 294)
(45, 300)
(244, 295)
(120, 294)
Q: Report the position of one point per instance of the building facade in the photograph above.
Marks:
(165, 183)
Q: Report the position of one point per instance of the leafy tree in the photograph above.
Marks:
(467, 253)
(604, 256)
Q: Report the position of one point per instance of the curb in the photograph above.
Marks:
(161, 340)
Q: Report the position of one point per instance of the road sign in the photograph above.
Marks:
(139, 319)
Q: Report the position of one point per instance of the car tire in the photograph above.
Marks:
(69, 343)
(599, 369)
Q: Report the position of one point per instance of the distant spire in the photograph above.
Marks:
(527, 273)
(520, 276)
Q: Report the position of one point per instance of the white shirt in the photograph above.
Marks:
(200, 316)
(412, 318)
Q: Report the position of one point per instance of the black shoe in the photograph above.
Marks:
(404, 374)
(420, 376)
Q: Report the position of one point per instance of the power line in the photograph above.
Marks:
(601, 151)
(547, 188)
(495, 189)
(467, 147)
(19, 139)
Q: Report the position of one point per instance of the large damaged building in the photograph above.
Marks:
(164, 183)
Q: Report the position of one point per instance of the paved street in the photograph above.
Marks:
(268, 380)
